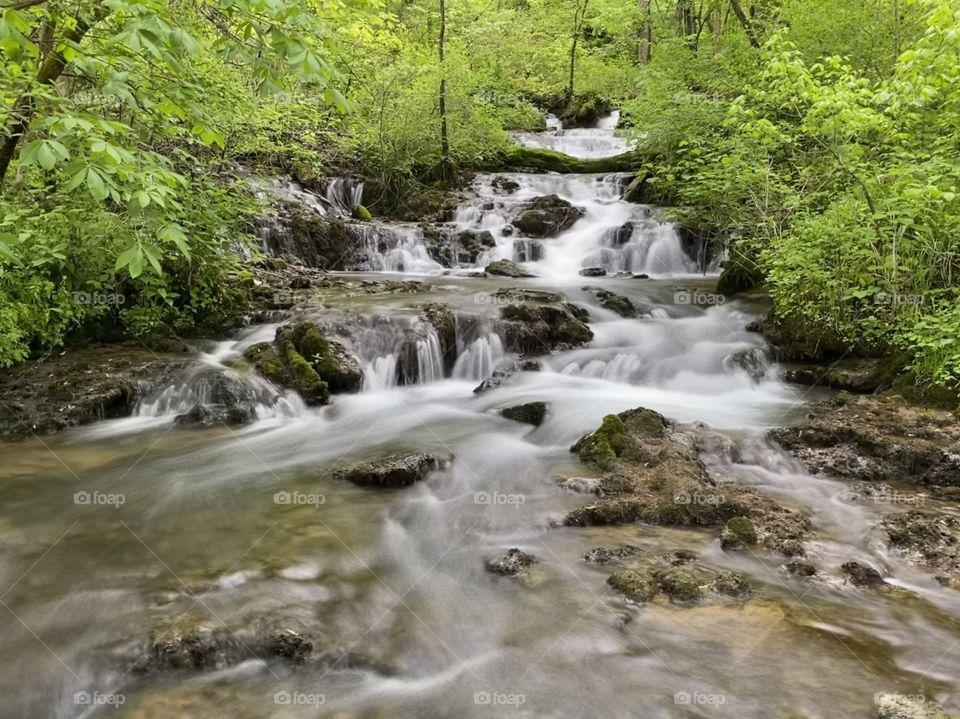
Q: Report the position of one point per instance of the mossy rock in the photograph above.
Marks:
(535, 158)
(635, 585)
(304, 378)
(732, 584)
(619, 304)
(681, 585)
(739, 532)
(612, 440)
(266, 361)
(361, 213)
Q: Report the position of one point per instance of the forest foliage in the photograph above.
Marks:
(819, 140)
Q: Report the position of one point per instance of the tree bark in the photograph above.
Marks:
(444, 135)
(645, 41)
(51, 68)
(579, 15)
(745, 22)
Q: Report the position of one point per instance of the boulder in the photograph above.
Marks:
(506, 268)
(928, 539)
(619, 304)
(593, 272)
(529, 413)
(504, 372)
(540, 328)
(653, 474)
(394, 471)
(504, 185)
(546, 216)
(861, 575)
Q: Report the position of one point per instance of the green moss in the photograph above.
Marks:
(313, 345)
(552, 161)
(638, 586)
(738, 532)
(267, 363)
(681, 585)
(620, 304)
(604, 445)
(732, 584)
(362, 213)
(304, 378)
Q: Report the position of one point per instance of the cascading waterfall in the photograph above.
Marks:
(583, 143)
(395, 248)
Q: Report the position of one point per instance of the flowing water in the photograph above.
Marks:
(111, 531)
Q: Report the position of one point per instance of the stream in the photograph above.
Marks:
(112, 530)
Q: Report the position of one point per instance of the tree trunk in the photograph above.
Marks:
(51, 68)
(645, 41)
(444, 136)
(745, 22)
(578, 17)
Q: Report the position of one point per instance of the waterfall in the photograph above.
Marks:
(480, 358)
(395, 248)
(583, 143)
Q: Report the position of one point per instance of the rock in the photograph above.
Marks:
(535, 158)
(362, 214)
(546, 216)
(860, 575)
(187, 645)
(537, 329)
(303, 359)
(636, 586)
(205, 416)
(529, 413)
(511, 564)
(738, 533)
(394, 471)
(900, 706)
(505, 372)
(877, 439)
(799, 568)
(505, 185)
(290, 645)
(681, 585)
(506, 268)
(653, 474)
(861, 376)
(444, 321)
(614, 302)
(303, 236)
(928, 539)
(641, 276)
(753, 361)
(605, 555)
(732, 584)
(83, 386)
(525, 294)
(593, 272)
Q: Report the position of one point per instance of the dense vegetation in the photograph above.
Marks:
(820, 139)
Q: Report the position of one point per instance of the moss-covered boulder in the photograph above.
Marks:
(444, 321)
(361, 213)
(301, 358)
(392, 472)
(738, 533)
(546, 216)
(637, 586)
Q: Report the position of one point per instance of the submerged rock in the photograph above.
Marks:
(883, 439)
(861, 575)
(593, 272)
(529, 413)
(738, 533)
(505, 185)
(605, 555)
(206, 416)
(395, 471)
(637, 586)
(623, 306)
(680, 584)
(512, 563)
(653, 474)
(547, 217)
